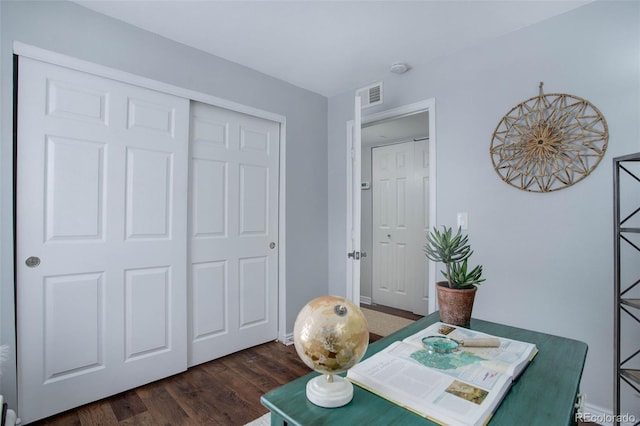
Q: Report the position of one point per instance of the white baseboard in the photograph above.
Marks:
(365, 300)
(604, 417)
(288, 339)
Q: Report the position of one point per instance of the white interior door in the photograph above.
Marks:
(354, 204)
(233, 272)
(400, 213)
(392, 170)
(101, 237)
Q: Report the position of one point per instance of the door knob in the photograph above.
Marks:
(32, 261)
(272, 245)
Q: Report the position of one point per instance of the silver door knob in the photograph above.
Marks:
(272, 245)
(32, 261)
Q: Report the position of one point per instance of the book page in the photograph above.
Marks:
(395, 375)
(464, 366)
(510, 358)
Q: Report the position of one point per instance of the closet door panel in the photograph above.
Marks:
(102, 170)
(233, 232)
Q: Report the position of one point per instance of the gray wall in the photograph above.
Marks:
(547, 257)
(76, 31)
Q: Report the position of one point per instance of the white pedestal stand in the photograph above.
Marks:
(329, 391)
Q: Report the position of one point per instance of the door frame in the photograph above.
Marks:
(428, 105)
(33, 52)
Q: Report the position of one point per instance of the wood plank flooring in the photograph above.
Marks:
(225, 391)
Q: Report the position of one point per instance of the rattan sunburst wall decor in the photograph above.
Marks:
(549, 142)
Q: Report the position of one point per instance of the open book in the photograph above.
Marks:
(463, 387)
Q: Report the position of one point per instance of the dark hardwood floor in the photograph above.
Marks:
(393, 311)
(225, 391)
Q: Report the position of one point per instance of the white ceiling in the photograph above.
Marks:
(414, 126)
(330, 47)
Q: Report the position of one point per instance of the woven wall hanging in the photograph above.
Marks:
(549, 142)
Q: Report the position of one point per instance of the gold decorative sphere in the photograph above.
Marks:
(330, 334)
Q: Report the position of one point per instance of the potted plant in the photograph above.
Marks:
(457, 294)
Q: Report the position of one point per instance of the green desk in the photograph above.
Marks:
(544, 394)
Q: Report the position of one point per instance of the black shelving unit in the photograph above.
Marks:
(626, 232)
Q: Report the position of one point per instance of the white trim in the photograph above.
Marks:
(413, 108)
(287, 339)
(59, 59)
(282, 234)
(426, 105)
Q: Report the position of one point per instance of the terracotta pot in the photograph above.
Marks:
(455, 304)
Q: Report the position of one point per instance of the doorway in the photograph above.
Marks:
(395, 212)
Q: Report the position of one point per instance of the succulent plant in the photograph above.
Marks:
(454, 251)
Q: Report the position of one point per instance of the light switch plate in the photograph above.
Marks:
(463, 220)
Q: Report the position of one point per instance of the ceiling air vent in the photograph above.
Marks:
(370, 95)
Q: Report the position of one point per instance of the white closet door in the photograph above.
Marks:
(233, 276)
(102, 206)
